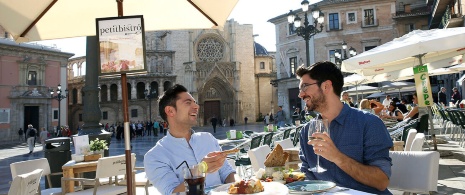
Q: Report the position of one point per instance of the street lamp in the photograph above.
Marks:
(59, 97)
(150, 95)
(343, 56)
(308, 30)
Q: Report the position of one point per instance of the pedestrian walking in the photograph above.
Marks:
(156, 126)
(245, 120)
(31, 136)
(214, 122)
(280, 117)
(43, 136)
(20, 134)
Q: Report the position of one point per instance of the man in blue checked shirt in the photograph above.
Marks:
(355, 153)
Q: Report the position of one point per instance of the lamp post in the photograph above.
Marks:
(59, 97)
(343, 55)
(149, 94)
(308, 30)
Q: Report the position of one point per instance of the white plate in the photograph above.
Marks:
(271, 188)
(310, 186)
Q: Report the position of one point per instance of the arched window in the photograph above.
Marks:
(32, 78)
(74, 94)
(166, 85)
(140, 90)
(154, 87)
(104, 93)
(113, 92)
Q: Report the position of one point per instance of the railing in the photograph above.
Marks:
(445, 18)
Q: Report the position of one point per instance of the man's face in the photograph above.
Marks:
(345, 96)
(388, 97)
(443, 90)
(312, 94)
(186, 110)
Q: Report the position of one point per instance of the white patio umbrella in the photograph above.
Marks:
(458, 67)
(377, 94)
(415, 48)
(398, 86)
(407, 73)
(68, 18)
(355, 80)
(408, 51)
(362, 89)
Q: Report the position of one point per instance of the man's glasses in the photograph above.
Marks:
(305, 86)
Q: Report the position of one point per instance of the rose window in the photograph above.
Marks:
(210, 50)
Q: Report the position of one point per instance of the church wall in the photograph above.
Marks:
(244, 50)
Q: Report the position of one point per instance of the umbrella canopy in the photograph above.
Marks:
(405, 52)
(398, 85)
(377, 94)
(458, 67)
(362, 89)
(355, 79)
(407, 73)
(63, 19)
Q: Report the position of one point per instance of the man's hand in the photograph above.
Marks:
(215, 161)
(325, 147)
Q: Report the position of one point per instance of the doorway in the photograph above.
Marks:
(211, 108)
(31, 116)
(294, 100)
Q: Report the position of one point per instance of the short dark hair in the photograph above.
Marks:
(169, 98)
(323, 71)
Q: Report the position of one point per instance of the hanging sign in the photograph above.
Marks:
(121, 45)
(423, 86)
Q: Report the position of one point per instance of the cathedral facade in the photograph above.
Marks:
(220, 68)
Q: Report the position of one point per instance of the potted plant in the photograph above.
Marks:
(97, 146)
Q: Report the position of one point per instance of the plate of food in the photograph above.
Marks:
(309, 186)
(251, 187)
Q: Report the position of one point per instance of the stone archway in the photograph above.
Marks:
(216, 90)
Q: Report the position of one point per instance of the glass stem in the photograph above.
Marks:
(318, 164)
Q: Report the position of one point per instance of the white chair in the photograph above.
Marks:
(258, 156)
(410, 136)
(417, 144)
(286, 143)
(26, 184)
(414, 171)
(22, 167)
(106, 167)
(140, 180)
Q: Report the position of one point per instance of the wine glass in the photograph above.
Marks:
(317, 126)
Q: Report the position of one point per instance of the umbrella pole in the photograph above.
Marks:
(127, 133)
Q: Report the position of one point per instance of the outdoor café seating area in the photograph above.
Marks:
(414, 162)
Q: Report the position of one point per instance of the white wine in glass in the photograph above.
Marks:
(317, 126)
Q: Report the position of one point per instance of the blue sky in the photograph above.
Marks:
(256, 12)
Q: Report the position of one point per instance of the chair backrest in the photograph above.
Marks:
(295, 140)
(414, 171)
(255, 142)
(407, 129)
(113, 166)
(267, 139)
(26, 184)
(258, 156)
(286, 133)
(22, 167)
(287, 143)
(417, 144)
(409, 140)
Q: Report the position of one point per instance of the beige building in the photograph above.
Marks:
(218, 67)
(361, 24)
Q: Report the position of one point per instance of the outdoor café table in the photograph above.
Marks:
(71, 168)
(229, 142)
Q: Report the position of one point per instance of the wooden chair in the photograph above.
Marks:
(107, 167)
(23, 167)
(26, 184)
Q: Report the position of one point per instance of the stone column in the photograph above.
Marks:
(133, 89)
(108, 92)
(119, 91)
(91, 112)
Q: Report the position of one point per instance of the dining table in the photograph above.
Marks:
(71, 168)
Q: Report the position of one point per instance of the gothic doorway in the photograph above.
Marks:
(31, 116)
(211, 108)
